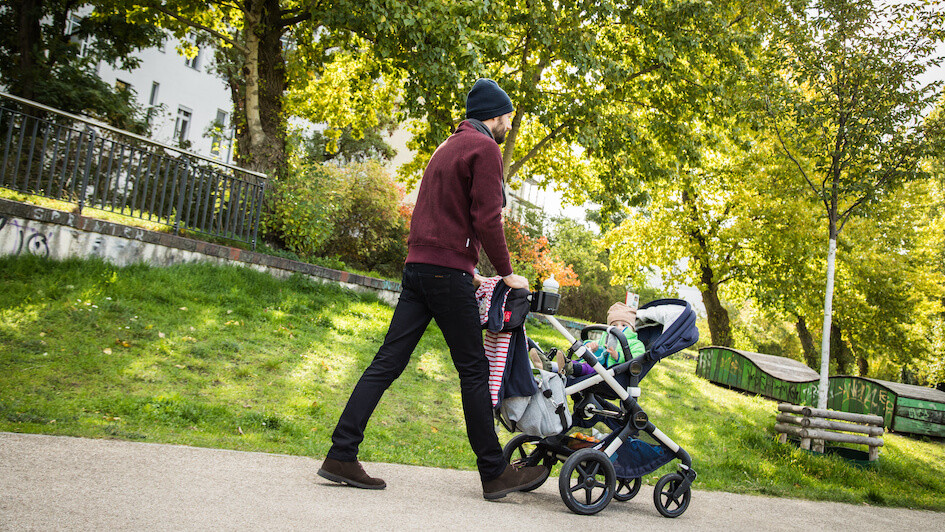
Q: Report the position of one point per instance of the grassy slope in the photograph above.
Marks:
(228, 357)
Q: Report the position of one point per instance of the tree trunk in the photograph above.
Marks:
(807, 342)
(839, 351)
(828, 314)
(863, 366)
(28, 37)
(720, 329)
(261, 128)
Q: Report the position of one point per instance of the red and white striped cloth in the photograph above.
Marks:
(496, 344)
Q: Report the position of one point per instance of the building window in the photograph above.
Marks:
(153, 99)
(193, 62)
(219, 127)
(152, 103)
(72, 28)
(182, 125)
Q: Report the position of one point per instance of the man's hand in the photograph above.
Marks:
(515, 281)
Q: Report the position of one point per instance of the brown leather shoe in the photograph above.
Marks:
(350, 473)
(515, 479)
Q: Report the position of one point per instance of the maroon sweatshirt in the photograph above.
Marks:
(459, 206)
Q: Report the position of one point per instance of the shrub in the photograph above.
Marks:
(300, 210)
(371, 225)
(344, 215)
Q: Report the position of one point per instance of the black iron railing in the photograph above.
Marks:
(66, 157)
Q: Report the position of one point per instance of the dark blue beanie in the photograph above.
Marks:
(486, 100)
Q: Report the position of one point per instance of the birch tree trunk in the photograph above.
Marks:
(828, 314)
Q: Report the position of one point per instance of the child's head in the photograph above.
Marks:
(622, 315)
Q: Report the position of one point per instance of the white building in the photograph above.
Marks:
(187, 104)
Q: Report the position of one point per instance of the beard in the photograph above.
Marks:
(498, 133)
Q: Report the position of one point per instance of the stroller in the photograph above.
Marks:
(596, 471)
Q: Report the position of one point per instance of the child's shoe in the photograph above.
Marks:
(538, 360)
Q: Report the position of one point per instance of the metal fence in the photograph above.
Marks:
(65, 157)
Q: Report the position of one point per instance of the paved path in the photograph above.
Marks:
(59, 483)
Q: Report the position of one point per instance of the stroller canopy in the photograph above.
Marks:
(666, 326)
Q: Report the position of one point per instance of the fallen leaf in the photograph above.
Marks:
(182, 308)
(107, 351)
(179, 366)
(240, 430)
(160, 335)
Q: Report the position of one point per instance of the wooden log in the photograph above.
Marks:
(866, 419)
(818, 423)
(874, 453)
(788, 418)
(805, 444)
(794, 409)
(793, 430)
(840, 437)
(782, 438)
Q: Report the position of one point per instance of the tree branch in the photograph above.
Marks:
(787, 150)
(211, 31)
(536, 148)
(292, 21)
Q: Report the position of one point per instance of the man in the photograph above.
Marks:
(458, 211)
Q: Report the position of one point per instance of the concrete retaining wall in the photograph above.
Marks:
(56, 234)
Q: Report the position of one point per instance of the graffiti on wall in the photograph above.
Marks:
(860, 396)
(28, 239)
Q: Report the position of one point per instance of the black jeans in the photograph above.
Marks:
(447, 296)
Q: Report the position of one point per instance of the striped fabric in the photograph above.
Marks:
(496, 344)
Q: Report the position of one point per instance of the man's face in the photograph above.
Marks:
(502, 126)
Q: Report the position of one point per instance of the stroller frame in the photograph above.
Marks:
(596, 476)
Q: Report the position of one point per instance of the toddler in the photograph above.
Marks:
(624, 317)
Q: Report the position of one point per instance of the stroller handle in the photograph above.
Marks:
(561, 329)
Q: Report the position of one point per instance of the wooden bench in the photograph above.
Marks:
(815, 426)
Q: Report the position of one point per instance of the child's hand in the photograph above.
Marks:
(592, 346)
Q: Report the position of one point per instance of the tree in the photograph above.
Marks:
(47, 57)
(696, 227)
(846, 107)
(394, 36)
(590, 80)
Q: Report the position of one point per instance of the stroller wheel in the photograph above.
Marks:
(627, 488)
(669, 503)
(522, 450)
(587, 481)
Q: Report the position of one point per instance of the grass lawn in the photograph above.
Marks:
(227, 357)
